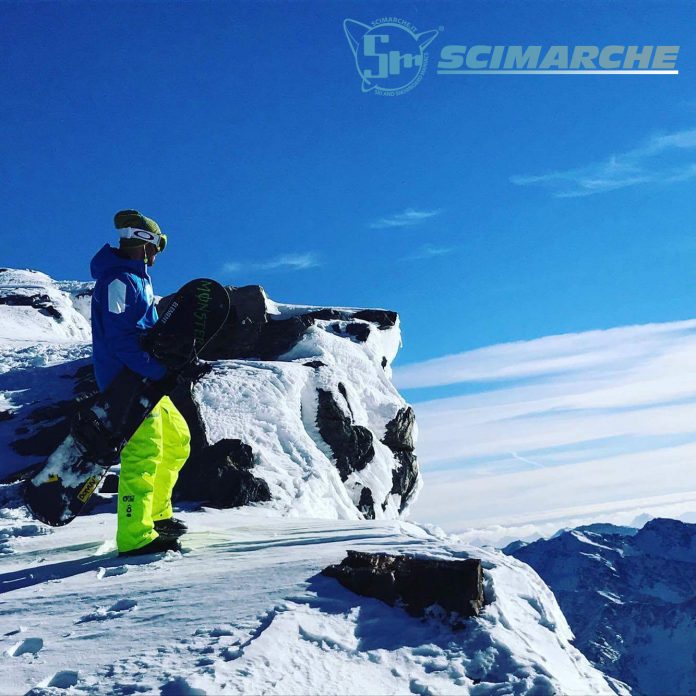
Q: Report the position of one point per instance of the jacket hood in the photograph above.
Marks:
(106, 260)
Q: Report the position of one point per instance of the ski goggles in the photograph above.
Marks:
(147, 237)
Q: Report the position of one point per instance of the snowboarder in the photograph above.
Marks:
(123, 308)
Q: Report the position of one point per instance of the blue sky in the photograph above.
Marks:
(242, 128)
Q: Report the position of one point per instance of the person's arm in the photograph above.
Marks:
(124, 307)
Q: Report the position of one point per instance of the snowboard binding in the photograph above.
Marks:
(94, 439)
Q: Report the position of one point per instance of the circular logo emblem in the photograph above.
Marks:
(389, 55)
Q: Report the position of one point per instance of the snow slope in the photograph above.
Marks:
(243, 610)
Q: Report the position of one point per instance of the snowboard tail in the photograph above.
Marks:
(98, 434)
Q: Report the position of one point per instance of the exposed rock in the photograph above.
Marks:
(220, 475)
(351, 445)
(405, 477)
(251, 332)
(384, 318)
(414, 583)
(280, 335)
(342, 391)
(357, 330)
(39, 301)
(24, 300)
(256, 329)
(399, 438)
(398, 435)
(366, 505)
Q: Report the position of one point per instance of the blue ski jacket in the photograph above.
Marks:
(123, 307)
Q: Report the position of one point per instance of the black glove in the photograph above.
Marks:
(193, 372)
(188, 375)
(170, 350)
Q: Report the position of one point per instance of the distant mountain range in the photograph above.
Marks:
(629, 596)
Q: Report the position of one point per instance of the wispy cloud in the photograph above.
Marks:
(633, 512)
(555, 427)
(429, 251)
(284, 262)
(662, 159)
(408, 218)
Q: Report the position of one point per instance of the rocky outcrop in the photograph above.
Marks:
(35, 307)
(252, 331)
(38, 301)
(339, 432)
(260, 329)
(413, 583)
(220, 474)
(399, 437)
(351, 444)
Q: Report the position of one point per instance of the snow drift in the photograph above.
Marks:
(244, 610)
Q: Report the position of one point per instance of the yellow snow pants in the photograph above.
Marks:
(150, 465)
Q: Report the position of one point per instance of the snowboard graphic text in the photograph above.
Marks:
(203, 297)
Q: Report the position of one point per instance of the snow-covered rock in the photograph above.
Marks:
(317, 420)
(630, 599)
(34, 307)
(329, 434)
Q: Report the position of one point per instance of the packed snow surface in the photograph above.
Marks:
(243, 610)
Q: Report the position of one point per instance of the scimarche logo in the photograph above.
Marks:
(391, 59)
(389, 54)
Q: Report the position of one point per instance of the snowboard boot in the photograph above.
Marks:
(158, 545)
(171, 528)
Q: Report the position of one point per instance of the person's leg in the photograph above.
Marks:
(176, 449)
(139, 463)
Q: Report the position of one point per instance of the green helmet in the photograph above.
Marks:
(135, 230)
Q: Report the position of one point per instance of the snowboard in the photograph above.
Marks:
(98, 433)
